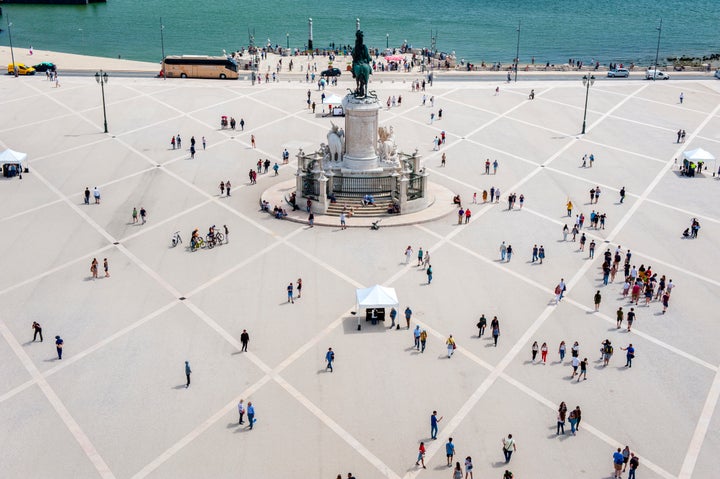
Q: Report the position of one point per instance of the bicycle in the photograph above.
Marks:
(212, 241)
(197, 243)
(176, 239)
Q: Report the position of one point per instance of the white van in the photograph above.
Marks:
(657, 74)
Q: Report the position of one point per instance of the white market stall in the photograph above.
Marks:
(13, 163)
(698, 155)
(374, 300)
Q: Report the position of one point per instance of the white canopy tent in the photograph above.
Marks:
(332, 99)
(376, 297)
(698, 154)
(11, 158)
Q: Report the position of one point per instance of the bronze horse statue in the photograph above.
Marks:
(361, 69)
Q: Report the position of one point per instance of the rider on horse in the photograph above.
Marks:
(361, 69)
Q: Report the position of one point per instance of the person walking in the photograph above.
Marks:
(37, 330)
(408, 315)
(682, 97)
(578, 417)
(106, 268)
(94, 268)
(134, 215)
(423, 340)
(534, 350)
(482, 323)
(597, 298)
(204, 142)
(416, 337)
(290, 293)
(251, 414)
(429, 273)
(252, 139)
(543, 353)
(622, 195)
(509, 253)
(227, 234)
(619, 317)
(408, 254)
(562, 411)
(583, 370)
(188, 372)
(457, 472)
(143, 214)
(495, 326)
(634, 463)
(228, 186)
(87, 195)
(468, 468)
(449, 451)
(629, 355)
(572, 417)
(420, 257)
(569, 207)
(59, 346)
(421, 456)
(561, 350)
(96, 195)
(617, 463)
(393, 315)
(244, 340)
(241, 411)
(329, 357)
(508, 445)
(503, 251)
(541, 253)
(451, 346)
(434, 420)
(630, 318)
(626, 457)
(222, 188)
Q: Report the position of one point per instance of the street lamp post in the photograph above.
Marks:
(517, 51)
(162, 46)
(287, 41)
(387, 41)
(102, 78)
(12, 53)
(587, 83)
(657, 51)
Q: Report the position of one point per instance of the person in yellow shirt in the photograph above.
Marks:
(423, 339)
(450, 346)
(569, 208)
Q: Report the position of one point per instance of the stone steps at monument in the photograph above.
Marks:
(378, 209)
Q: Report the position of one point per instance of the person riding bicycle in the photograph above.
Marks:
(211, 233)
(194, 236)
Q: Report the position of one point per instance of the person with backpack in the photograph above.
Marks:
(329, 357)
(607, 352)
(634, 463)
(482, 323)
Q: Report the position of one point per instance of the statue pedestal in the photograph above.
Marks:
(361, 126)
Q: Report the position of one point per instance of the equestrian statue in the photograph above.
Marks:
(361, 69)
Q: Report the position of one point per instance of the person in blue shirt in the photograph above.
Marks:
(449, 451)
(276, 167)
(434, 424)
(393, 315)
(618, 463)
(408, 315)
(58, 346)
(416, 335)
(251, 414)
(188, 371)
(329, 357)
(629, 355)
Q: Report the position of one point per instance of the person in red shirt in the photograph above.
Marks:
(421, 456)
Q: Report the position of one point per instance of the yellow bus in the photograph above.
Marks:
(199, 66)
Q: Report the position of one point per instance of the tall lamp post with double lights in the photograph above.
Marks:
(517, 51)
(387, 41)
(287, 41)
(102, 78)
(587, 83)
(12, 52)
(657, 51)
(162, 46)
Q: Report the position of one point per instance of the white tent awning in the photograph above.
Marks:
(376, 297)
(11, 156)
(698, 154)
(332, 99)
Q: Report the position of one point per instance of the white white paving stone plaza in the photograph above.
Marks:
(116, 405)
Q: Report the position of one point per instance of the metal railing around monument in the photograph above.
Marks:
(415, 187)
(358, 186)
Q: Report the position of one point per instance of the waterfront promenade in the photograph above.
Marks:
(116, 404)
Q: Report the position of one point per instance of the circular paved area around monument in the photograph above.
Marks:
(116, 405)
